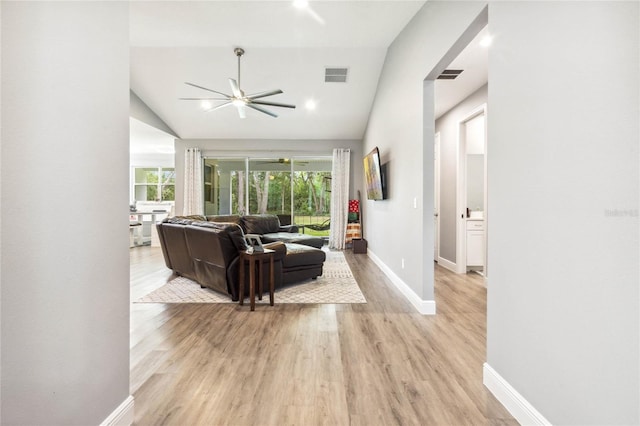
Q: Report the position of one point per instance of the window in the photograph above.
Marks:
(312, 195)
(295, 189)
(270, 186)
(154, 183)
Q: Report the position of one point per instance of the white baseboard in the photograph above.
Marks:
(121, 416)
(425, 307)
(515, 403)
(447, 264)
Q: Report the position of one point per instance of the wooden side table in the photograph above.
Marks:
(251, 259)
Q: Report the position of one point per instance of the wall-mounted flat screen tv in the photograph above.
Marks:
(373, 175)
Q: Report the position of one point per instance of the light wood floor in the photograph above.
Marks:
(379, 363)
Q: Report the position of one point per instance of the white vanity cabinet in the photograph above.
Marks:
(475, 242)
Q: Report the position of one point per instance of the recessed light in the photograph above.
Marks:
(301, 4)
(486, 41)
(310, 104)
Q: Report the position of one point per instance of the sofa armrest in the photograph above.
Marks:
(280, 249)
(288, 228)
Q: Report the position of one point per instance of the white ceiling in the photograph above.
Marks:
(474, 62)
(146, 139)
(286, 48)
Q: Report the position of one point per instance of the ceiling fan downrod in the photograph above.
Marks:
(239, 51)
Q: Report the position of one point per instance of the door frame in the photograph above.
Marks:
(436, 197)
(461, 199)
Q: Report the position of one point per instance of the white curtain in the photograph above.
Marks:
(192, 182)
(339, 198)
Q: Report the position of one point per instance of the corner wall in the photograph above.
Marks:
(398, 125)
(563, 300)
(64, 183)
(141, 112)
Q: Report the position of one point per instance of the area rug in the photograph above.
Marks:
(336, 285)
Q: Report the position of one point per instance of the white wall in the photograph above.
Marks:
(563, 319)
(1, 139)
(563, 314)
(141, 111)
(142, 159)
(268, 148)
(64, 183)
(447, 125)
(399, 124)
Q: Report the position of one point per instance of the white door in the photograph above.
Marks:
(436, 196)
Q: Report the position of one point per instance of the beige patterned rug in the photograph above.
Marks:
(336, 285)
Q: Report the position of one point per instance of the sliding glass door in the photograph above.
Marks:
(270, 186)
(295, 189)
(312, 195)
(224, 186)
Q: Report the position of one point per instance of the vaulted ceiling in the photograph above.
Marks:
(286, 48)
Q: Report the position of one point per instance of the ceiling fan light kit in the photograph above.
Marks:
(238, 98)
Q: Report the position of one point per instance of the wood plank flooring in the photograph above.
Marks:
(379, 363)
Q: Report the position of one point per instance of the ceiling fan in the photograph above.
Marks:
(238, 98)
(282, 161)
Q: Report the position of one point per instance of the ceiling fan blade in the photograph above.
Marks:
(235, 89)
(241, 111)
(219, 106)
(257, 108)
(263, 94)
(273, 104)
(203, 99)
(209, 90)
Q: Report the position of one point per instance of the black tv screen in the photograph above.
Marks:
(373, 175)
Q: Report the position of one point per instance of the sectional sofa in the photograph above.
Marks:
(205, 250)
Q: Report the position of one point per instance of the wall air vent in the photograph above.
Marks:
(449, 74)
(335, 75)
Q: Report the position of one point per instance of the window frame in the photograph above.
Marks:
(160, 185)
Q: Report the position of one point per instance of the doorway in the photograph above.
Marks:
(457, 101)
(472, 190)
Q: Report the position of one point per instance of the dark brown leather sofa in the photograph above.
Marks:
(207, 252)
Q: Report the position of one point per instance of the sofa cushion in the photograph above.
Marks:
(189, 217)
(287, 237)
(179, 257)
(211, 251)
(233, 230)
(231, 218)
(302, 255)
(260, 224)
(280, 249)
(180, 220)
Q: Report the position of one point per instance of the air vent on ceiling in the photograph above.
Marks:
(449, 74)
(335, 75)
